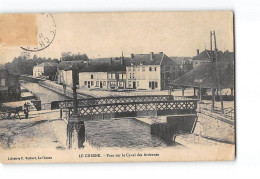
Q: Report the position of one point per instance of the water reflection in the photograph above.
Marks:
(124, 133)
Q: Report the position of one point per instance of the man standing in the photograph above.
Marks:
(26, 110)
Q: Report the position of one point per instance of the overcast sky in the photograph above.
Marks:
(108, 34)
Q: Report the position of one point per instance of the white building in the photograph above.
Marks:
(92, 80)
(38, 71)
(150, 71)
(45, 69)
(65, 71)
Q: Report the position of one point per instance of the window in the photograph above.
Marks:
(104, 83)
(124, 76)
(85, 82)
(150, 84)
(92, 76)
(130, 75)
(155, 68)
(97, 83)
(112, 83)
(143, 69)
(150, 69)
(133, 75)
(92, 83)
(133, 68)
(121, 84)
(156, 84)
(113, 76)
(129, 84)
(2, 82)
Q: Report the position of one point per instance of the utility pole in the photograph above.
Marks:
(74, 89)
(75, 127)
(213, 62)
(216, 58)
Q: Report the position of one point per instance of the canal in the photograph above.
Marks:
(125, 132)
(44, 94)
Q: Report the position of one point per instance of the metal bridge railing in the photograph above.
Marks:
(110, 100)
(132, 109)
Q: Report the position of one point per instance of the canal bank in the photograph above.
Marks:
(59, 89)
(44, 94)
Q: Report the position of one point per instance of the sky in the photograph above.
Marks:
(108, 34)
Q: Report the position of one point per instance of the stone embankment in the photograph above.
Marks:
(59, 89)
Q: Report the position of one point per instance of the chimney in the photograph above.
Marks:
(122, 59)
(132, 56)
(151, 56)
(198, 51)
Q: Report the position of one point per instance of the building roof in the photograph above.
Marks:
(205, 55)
(179, 60)
(67, 65)
(146, 58)
(102, 67)
(105, 60)
(227, 57)
(45, 64)
(2, 67)
(207, 73)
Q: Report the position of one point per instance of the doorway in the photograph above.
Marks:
(101, 84)
(134, 85)
(152, 84)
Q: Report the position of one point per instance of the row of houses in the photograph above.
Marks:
(140, 71)
(153, 71)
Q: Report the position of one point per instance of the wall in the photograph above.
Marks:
(142, 78)
(86, 81)
(65, 77)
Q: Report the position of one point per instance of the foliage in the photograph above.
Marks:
(68, 56)
(20, 65)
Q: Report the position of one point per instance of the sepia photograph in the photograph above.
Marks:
(117, 87)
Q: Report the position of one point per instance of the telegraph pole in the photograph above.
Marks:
(216, 58)
(213, 62)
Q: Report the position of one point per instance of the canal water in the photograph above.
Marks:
(125, 132)
(45, 95)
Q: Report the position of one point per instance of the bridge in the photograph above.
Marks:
(180, 115)
(127, 106)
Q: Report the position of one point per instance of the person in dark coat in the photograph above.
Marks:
(26, 110)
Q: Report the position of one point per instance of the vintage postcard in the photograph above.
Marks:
(117, 87)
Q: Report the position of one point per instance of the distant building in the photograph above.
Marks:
(150, 71)
(104, 73)
(203, 57)
(185, 64)
(92, 80)
(9, 86)
(117, 79)
(47, 69)
(64, 73)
